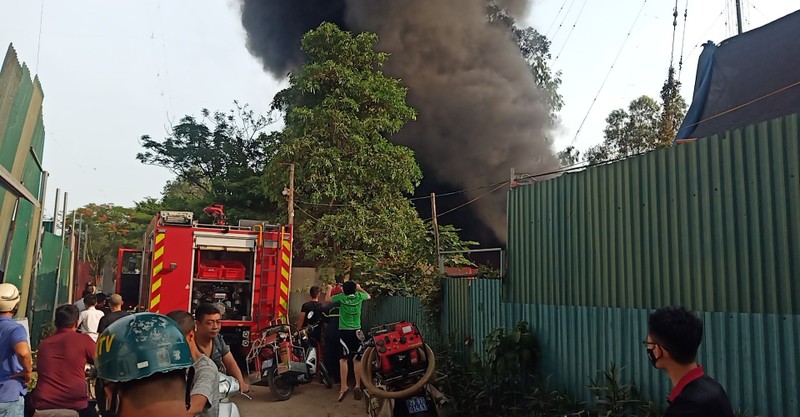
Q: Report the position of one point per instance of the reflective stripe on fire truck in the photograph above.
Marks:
(283, 292)
(158, 266)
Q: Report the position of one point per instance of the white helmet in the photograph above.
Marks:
(9, 297)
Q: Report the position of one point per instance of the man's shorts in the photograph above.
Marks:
(350, 344)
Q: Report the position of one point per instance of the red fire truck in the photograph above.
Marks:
(245, 269)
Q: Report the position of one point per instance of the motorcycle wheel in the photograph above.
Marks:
(278, 387)
(324, 377)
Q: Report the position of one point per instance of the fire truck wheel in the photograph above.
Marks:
(366, 376)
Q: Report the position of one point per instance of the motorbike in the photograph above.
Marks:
(398, 368)
(286, 358)
(228, 388)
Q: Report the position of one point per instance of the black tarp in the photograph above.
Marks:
(747, 70)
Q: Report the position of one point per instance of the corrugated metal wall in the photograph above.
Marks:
(713, 225)
(376, 312)
(46, 284)
(21, 147)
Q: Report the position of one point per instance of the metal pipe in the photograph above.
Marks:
(37, 248)
(472, 251)
(60, 254)
(55, 212)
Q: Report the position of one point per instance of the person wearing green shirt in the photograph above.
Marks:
(350, 300)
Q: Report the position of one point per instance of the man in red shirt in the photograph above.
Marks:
(61, 366)
(673, 338)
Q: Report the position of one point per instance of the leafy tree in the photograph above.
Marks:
(110, 227)
(535, 49)
(673, 110)
(569, 156)
(218, 159)
(351, 182)
(629, 132)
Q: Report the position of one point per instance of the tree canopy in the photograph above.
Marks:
(351, 182)
(219, 158)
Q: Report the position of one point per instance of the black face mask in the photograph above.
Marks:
(652, 356)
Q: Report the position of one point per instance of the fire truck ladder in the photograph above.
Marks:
(268, 287)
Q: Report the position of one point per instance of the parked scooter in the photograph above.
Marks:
(228, 388)
(286, 358)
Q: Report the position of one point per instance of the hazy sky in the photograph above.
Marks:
(113, 71)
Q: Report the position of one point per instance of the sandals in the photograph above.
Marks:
(343, 394)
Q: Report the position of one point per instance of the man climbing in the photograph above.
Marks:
(350, 301)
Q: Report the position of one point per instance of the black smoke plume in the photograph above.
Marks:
(479, 112)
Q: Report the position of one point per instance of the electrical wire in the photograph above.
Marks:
(460, 206)
(560, 25)
(572, 29)
(556, 18)
(745, 104)
(683, 38)
(39, 41)
(624, 42)
(674, 30)
(710, 28)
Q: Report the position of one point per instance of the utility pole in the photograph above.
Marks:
(59, 269)
(739, 15)
(291, 193)
(436, 231)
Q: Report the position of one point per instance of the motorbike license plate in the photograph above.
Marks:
(416, 405)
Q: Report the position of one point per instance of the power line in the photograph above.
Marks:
(580, 12)
(556, 18)
(572, 2)
(625, 41)
(469, 202)
(710, 28)
(674, 30)
(683, 38)
(39, 41)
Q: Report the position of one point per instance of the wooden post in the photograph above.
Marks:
(291, 193)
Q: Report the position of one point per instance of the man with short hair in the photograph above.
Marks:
(16, 365)
(90, 318)
(115, 305)
(61, 364)
(208, 320)
(311, 314)
(142, 362)
(204, 401)
(673, 338)
(350, 301)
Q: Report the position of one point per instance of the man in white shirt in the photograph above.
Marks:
(90, 318)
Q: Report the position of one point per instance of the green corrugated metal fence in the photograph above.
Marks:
(21, 148)
(711, 224)
(45, 285)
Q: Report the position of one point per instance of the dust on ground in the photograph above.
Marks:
(311, 400)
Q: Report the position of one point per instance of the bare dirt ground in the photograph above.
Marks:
(311, 400)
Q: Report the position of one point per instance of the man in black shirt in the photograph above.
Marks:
(332, 349)
(673, 337)
(311, 314)
(115, 312)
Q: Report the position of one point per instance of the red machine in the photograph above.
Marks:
(398, 338)
(244, 268)
(128, 279)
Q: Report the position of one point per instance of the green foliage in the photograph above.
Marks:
(569, 156)
(673, 110)
(629, 132)
(351, 182)
(535, 49)
(217, 159)
(110, 228)
(504, 383)
(612, 398)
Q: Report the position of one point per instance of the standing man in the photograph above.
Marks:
(204, 400)
(350, 301)
(61, 366)
(311, 314)
(142, 362)
(16, 365)
(116, 313)
(90, 318)
(673, 337)
(208, 320)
